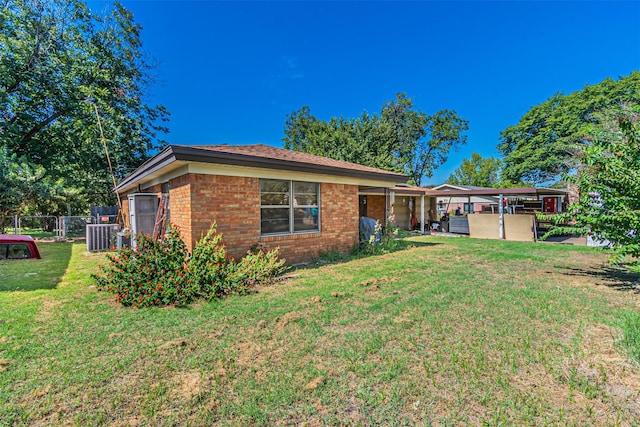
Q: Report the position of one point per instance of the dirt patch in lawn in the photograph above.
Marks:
(187, 385)
(48, 309)
(598, 386)
(609, 370)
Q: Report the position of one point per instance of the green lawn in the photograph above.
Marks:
(448, 332)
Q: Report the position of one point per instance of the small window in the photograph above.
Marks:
(468, 207)
(14, 251)
(281, 214)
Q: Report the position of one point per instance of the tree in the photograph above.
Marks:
(545, 143)
(423, 142)
(609, 183)
(400, 139)
(477, 171)
(59, 64)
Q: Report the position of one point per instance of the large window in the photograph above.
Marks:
(282, 213)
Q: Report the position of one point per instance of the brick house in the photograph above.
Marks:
(260, 195)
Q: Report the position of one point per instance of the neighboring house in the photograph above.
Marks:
(260, 196)
(466, 204)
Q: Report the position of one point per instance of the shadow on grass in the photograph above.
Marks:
(611, 276)
(31, 275)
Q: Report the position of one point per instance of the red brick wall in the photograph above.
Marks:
(233, 202)
(375, 208)
(196, 200)
(180, 207)
(338, 223)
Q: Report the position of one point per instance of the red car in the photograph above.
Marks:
(18, 247)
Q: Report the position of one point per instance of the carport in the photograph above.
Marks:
(509, 201)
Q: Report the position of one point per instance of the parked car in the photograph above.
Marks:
(18, 247)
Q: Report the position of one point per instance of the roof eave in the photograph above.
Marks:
(195, 154)
(160, 160)
(192, 154)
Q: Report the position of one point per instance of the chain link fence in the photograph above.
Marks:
(8, 224)
(44, 227)
(48, 227)
(74, 226)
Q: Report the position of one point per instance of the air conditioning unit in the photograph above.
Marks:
(142, 214)
(101, 237)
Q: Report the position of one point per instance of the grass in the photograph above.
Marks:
(449, 332)
(30, 275)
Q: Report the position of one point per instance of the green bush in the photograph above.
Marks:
(163, 273)
(389, 239)
(152, 274)
(255, 269)
(208, 265)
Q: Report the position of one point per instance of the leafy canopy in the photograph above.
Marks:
(545, 144)
(21, 182)
(58, 63)
(609, 182)
(478, 171)
(400, 138)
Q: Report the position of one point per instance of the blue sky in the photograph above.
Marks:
(230, 72)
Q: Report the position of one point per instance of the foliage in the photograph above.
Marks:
(383, 239)
(400, 138)
(208, 265)
(477, 171)
(163, 272)
(54, 57)
(21, 182)
(609, 184)
(256, 268)
(545, 144)
(152, 274)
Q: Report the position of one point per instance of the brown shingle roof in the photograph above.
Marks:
(256, 156)
(269, 152)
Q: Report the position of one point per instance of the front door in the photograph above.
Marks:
(363, 206)
(549, 205)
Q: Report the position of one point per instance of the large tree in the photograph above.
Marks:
(400, 138)
(545, 143)
(477, 171)
(609, 182)
(62, 65)
(22, 184)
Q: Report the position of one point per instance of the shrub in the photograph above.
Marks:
(255, 269)
(383, 240)
(208, 265)
(163, 273)
(152, 274)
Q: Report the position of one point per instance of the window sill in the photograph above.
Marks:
(284, 236)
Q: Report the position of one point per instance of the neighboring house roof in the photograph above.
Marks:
(448, 190)
(445, 187)
(529, 191)
(259, 156)
(401, 189)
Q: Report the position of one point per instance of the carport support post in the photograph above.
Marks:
(422, 214)
(501, 217)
